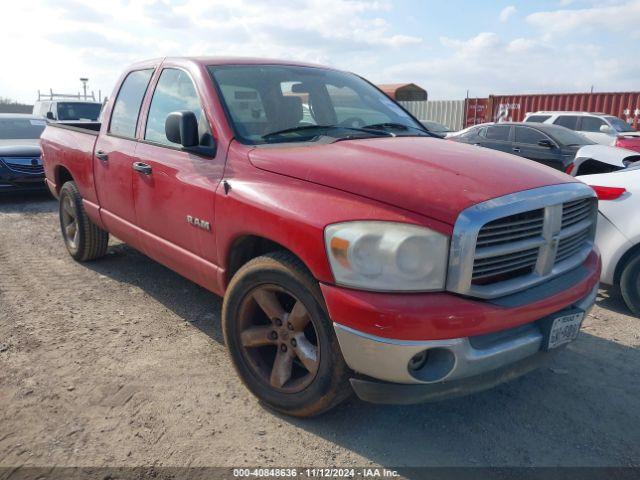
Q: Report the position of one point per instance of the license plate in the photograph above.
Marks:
(564, 329)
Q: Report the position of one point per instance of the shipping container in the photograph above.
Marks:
(447, 112)
(625, 105)
(475, 111)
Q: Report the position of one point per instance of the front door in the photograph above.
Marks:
(174, 189)
(527, 144)
(114, 155)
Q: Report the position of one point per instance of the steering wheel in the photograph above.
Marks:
(354, 122)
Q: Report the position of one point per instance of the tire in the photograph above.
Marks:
(630, 284)
(317, 381)
(84, 239)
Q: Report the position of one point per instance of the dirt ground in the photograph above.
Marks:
(121, 362)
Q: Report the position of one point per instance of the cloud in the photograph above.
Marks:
(489, 64)
(75, 10)
(507, 12)
(622, 17)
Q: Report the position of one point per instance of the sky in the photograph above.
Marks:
(447, 47)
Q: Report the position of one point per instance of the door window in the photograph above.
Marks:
(591, 124)
(175, 92)
(529, 136)
(498, 132)
(127, 106)
(537, 118)
(568, 121)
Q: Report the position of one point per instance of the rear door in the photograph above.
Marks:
(497, 137)
(526, 144)
(114, 157)
(174, 197)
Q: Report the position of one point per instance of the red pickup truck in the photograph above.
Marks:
(355, 250)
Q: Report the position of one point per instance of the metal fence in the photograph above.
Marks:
(447, 112)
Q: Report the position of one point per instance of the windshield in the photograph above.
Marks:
(78, 111)
(274, 103)
(619, 125)
(567, 137)
(21, 128)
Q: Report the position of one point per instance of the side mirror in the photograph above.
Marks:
(182, 128)
(49, 116)
(605, 129)
(546, 143)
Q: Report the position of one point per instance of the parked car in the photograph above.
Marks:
(592, 159)
(435, 127)
(368, 259)
(618, 232)
(20, 164)
(67, 110)
(550, 145)
(598, 127)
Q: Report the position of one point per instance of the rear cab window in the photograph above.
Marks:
(126, 108)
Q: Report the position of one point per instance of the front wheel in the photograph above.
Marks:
(280, 338)
(83, 238)
(630, 284)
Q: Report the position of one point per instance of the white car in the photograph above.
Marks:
(618, 230)
(592, 159)
(598, 127)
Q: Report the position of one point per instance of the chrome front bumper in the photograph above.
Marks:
(443, 360)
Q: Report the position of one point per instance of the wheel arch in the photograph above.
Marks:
(62, 175)
(249, 246)
(623, 261)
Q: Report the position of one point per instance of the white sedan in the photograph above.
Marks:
(618, 230)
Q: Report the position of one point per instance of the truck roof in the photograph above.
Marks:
(212, 60)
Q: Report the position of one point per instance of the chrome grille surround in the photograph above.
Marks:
(534, 235)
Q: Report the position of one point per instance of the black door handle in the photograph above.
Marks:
(101, 155)
(142, 168)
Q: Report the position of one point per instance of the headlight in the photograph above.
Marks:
(387, 256)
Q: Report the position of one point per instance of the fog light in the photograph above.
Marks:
(418, 360)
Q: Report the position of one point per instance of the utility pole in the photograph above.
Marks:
(84, 86)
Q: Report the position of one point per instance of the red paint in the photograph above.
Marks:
(630, 143)
(434, 316)
(289, 195)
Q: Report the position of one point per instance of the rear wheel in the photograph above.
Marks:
(280, 337)
(630, 284)
(83, 238)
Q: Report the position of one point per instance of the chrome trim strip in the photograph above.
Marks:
(471, 220)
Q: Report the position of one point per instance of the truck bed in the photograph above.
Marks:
(68, 152)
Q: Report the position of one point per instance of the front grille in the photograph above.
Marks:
(513, 242)
(24, 165)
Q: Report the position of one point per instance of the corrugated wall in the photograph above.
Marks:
(447, 112)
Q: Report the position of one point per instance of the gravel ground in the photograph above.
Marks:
(121, 362)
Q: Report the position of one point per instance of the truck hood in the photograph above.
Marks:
(432, 177)
(18, 143)
(19, 148)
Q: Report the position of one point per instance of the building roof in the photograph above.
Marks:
(392, 88)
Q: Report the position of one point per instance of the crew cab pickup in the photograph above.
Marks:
(355, 250)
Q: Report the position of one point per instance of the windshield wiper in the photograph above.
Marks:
(398, 126)
(302, 128)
